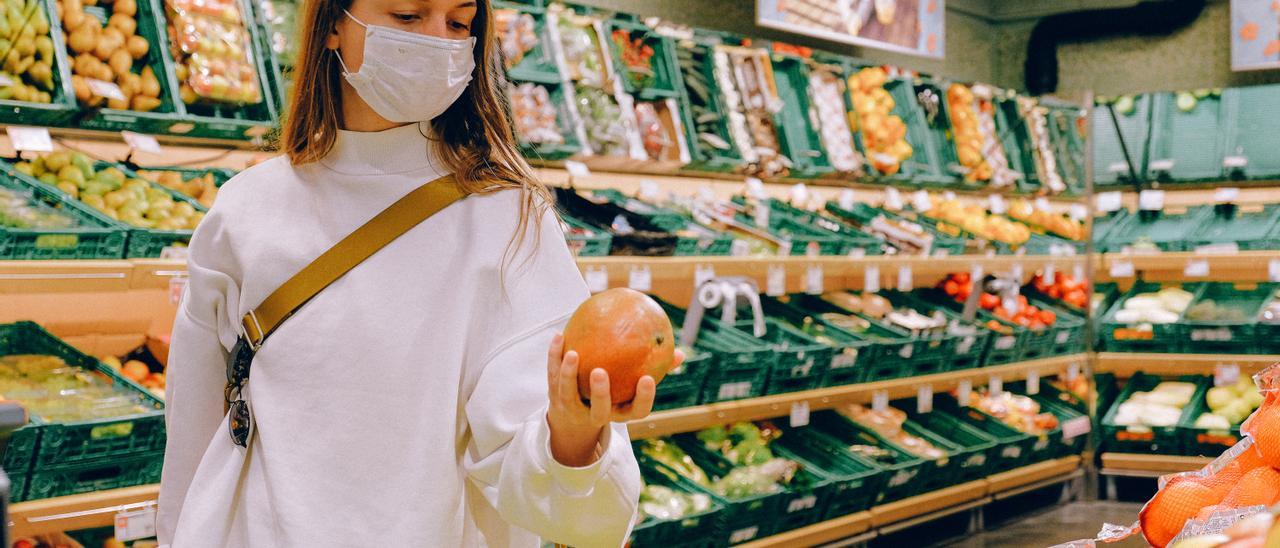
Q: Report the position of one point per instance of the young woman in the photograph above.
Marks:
(423, 399)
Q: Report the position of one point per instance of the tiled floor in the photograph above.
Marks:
(1057, 525)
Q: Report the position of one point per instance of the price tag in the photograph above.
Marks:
(1121, 269)
(880, 400)
(871, 279)
(1165, 164)
(799, 195)
(702, 274)
(857, 253)
(1107, 202)
(177, 285)
(1078, 212)
(136, 524)
(640, 278)
(762, 214)
(1226, 374)
(1273, 270)
(1196, 268)
(892, 199)
(176, 253)
(1017, 272)
(34, 139)
(924, 399)
(649, 191)
(846, 199)
(1225, 248)
(1117, 167)
(755, 188)
(995, 385)
(1073, 371)
(800, 414)
(976, 274)
(1033, 382)
(705, 194)
(597, 279)
(142, 142)
(1226, 195)
(776, 285)
(996, 204)
(105, 89)
(1151, 200)
(577, 170)
(734, 390)
(813, 279)
(1077, 272)
(964, 392)
(1235, 162)
(1076, 427)
(1042, 204)
(904, 278)
(1050, 274)
(920, 201)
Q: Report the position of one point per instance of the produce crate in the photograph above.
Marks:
(645, 240)
(937, 352)
(1226, 336)
(1205, 441)
(692, 238)
(854, 482)
(1042, 447)
(99, 475)
(976, 452)
(850, 353)
(1166, 230)
(742, 362)
(856, 238)
(701, 530)
(1066, 336)
(1193, 140)
(41, 444)
(1008, 347)
(932, 134)
(566, 121)
(1230, 224)
(1104, 224)
(1015, 136)
(585, 240)
(1161, 440)
(862, 215)
(1109, 165)
(797, 127)
(805, 501)
(1066, 135)
(800, 361)
(1120, 337)
(703, 109)
(969, 350)
(1251, 114)
(684, 388)
(904, 477)
(925, 356)
(537, 64)
(801, 238)
(63, 106)
(220, 174)
(90, 238)
(920, 168)
(888, 358)
(1014, 447)
(1049, 402)
(664, 81)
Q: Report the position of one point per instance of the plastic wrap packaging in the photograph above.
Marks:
(517, 34)
(832, 123)
(1047, 160)
(213, 53)
(992, 148)
(534, 114)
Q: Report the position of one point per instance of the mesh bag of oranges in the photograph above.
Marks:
(1227, 500)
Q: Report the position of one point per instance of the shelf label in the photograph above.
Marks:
(1050, 274)
(142, 142)
(976, 274)
(846, 199)
(1077, 271)
(904, 278)
(1073, 371)
(1225, 248)
(734, 390)
(1226, 195)
(1033, 382)
(871, 278)
(1196, 268)
(1005, 342)
(743, 535)
(880, 401)
(649, 191)
(1107, 202)
(703, 273)
(1117, 167)
(176, 253)
(924, 399)
(776, 285)
(800, 414)
(995, 385)
(577, 170)
(996, 204)
(136, 524)
(105, 89)
(1062, 337)
(755, 188)
(1273, 270)
(705, 194)
(1017, 272)
(33, 139)
(1078, 212)
(1076, 427)
(762, 214)
(1121, 269)
(799, 195)
(1235, 162)
(892, 199)
(857, 253)
(920, 201)
(1164, 164)
(813, 279)
(177, 285)
(802, 503)
(640, 279)
(1042, 204)
(1151, 200)
(1226, 374)
(964, 391)
(597, 279)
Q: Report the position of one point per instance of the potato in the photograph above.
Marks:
(120, 62)
(123, 23)
(145, 104)
(127, 7)
(150, 84)
(137, 46)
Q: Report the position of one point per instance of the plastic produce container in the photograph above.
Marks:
(705, 119)
(1223, 318)
(853, 481)
(1252, 113)
(889, 358)
(1231, 225)
(976, 451)
(88, 477)
(1013, 447)
(701, 530)
(800, 139)
(1009, 344)
(1165, 230)
(692, 238)
(86, 237)
(62, 106)
(1109, 164)
(908, 475)
(801, 361)
(1126, 337)
(857, 241)
(683, 388)
(1161, 440)
(1187, 137)
(851, 354)
(864, 217)
(742, 362)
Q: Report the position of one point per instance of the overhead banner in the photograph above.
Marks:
(906, 26)
(1255, 34)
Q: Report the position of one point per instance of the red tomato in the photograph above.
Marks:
(1048, 317)
(951, 287)
(961, 277)
(988, 301)
(1055, 292)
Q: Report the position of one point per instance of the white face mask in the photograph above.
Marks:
(409, 77)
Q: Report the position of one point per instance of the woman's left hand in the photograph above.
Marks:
(576, 426)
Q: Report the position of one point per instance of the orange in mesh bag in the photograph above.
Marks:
(1259, 486)
(1180, 500)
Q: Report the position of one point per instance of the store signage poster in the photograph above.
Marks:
(906, 26)
(1255, 34)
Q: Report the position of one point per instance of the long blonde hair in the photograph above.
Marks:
(473, 138)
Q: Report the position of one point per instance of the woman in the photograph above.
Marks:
(423, 399)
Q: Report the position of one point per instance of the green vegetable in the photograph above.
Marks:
(661, 502)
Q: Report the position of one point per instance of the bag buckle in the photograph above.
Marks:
(239, 419)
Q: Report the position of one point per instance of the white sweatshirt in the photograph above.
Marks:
(405, 405)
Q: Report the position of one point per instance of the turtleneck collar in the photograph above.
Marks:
(401, 149)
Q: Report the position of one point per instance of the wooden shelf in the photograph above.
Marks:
(89, 510)
(689, 419)
(1125, 364)
(1193, 194)
(1239, 266)
(1144, 465)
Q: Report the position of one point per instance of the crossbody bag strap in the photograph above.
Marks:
(408, 212)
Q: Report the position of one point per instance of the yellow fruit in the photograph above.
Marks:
(137, 46)
(142, 103)
(126, 7)
(125, 24)
(70, 188)
(120, 62)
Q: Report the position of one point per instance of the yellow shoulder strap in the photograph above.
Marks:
(408, 212)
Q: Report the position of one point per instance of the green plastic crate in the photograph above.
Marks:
(700, 99)
(565, 120)
(1104, 224)
(1162, 440)
(801, 362)
(1014, 448)
(1109, 165)
(88, 477)
(941, 146)
(969, 341)
(1206, 442)
(1042, 447)
(91, 238)
(1004, 347)
(1193, 140)
(692, 238)
(594, 243)
(683, 388)
(1066, 135)
(937, 352)
(1049, 403)
(537, 65)
(1230, 225)
(1120, 337)
(1167, 230)
(850, 353)
(800, 238)
(700, 530)
(862, 216)
(905, 475)
(1226, 336)
(797, 128)
(220, 174)
(1066, 336)
(855, 239)
(18, 486)
(664, 80)
(923, 356)
(890, 355)
(1015, 136)
(1251, 115)
(63, 106)
(42, 444)
(933, 474)
(742, 362)
(918, 169)
(977, 451)
(854, 482)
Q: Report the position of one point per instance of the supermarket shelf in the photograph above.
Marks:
(97, 509)
(1147, 466)
(926, 507)
(1238, 266)
(1190, 194)
(695, 418)
(1125, 364)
